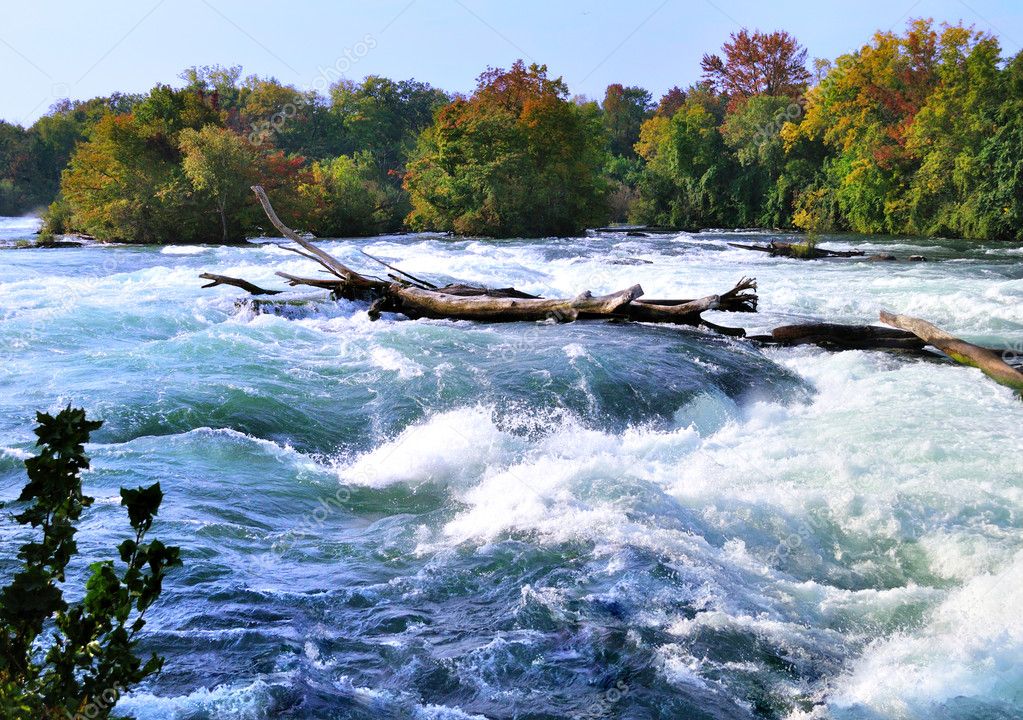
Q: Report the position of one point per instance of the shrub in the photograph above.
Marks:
(87, 658)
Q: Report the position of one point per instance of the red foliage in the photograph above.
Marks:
(671, 102)
(510, 89)
(758, 64)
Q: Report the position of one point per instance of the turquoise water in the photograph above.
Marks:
(446, 520)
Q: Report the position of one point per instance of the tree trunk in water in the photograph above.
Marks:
(800, 251)
(843, 337)
(418, 303)
(986, 360)
(223, 223)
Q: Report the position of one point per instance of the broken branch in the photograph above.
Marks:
(236, 282)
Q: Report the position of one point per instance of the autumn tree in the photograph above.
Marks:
(670, 102)
(517, 158)
(864, 111)
(758, 63)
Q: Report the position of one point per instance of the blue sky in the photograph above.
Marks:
(63, 48)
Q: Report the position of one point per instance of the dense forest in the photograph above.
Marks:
(915, 133)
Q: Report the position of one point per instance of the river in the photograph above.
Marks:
(446, 520)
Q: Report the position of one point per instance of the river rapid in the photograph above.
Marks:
(444, 520)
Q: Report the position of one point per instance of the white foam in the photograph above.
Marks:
(451, 448)
(24, 224)
(393, 361)
(246, 702)
(15, 453)
(184, 250)
(971, 646)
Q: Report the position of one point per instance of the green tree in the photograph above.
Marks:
(221, 165)
(1000, 191)
(87, 658)
(346, 197)
(217, 83)
(295, 121)
(761, 189)
(624, 110)
(385, 117)
(21, 170)
(689, 171)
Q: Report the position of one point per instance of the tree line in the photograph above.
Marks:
(918, 132)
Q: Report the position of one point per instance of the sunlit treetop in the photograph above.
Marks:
(757, 63)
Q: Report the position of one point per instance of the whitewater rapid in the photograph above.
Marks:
(446, 520)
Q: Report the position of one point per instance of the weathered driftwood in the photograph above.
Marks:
(324, 283)
(419, 303)
(988, 361)
(418, 298)
(798, 250)
(741, 298)
(906, 334)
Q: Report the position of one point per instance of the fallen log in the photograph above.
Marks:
(986, 360)
(417, 298)
(334, 286)
(418, 303)
(800, 251)
(843, 337)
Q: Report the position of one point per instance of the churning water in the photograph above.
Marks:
(447, 520)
